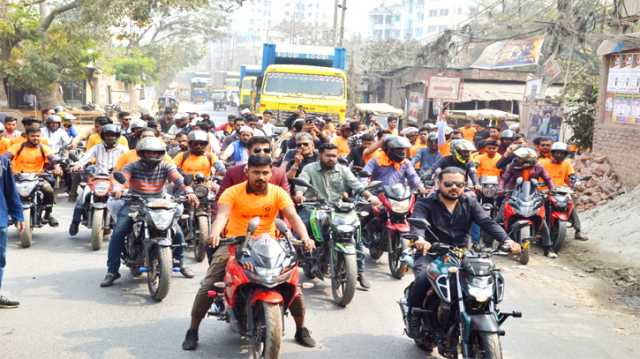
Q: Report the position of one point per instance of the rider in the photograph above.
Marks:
(450, 214)
(105, 155)
(562, 173)
(506, 139)
(31, 157)
(488, 161)
(356, 156)
(56, 136)
(543, 146)
(460, 157)
(255, 197)
(146, 177)
(181, 124)
(428, 156)
(332, 181)
(94, 137)
(135, 127)
(196, 159)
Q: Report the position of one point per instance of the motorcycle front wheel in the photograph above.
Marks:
(200, 247)
(486, 346)
(97, 229)
(268, 337)
(26, 236)
(343, 283)
(159, 274)
(558, 234)
(396, 246)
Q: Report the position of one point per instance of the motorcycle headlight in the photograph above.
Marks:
(268, 275)
(481, 288)
(201, 191)
(489, 191)
(101, 188)
(400, 206)
(162, 218)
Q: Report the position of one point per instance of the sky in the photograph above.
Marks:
(356, 19)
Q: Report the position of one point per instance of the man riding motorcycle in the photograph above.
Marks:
(236, 207)
(562, 173)
(429, 156)
(461, 158)
(196, 159)
(31, 157)
(145, 177)
(56, 136)
(333, 180)
(105, 155)
(450, 213)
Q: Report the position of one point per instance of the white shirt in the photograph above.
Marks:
(267, 128)
(57, 139)
(105, 159)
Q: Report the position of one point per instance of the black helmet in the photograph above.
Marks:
(396, 147)
(109, 129)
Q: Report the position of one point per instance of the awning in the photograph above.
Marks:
(619, 43)
(379, 109)
(473, 91)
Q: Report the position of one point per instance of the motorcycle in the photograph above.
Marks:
(148, 248)
(488, 200)
(95, 213)
(335, 228)
(561, 208)
(196, 222)
(384, 231)
(254, 301)
(29, 186)
(460, 306)
(524, 215)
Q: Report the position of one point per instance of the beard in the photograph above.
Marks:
(327, 166)
(452, 196)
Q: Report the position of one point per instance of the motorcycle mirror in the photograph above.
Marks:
(364, 174)
(219, 285)
(282, 227)
(188, 179)
(300, 182)
(253, 225)
(419, 223)
(118, 176)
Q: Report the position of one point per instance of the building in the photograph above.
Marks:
(441, 15)
(385, 22)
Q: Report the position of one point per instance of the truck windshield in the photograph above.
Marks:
(315, 85)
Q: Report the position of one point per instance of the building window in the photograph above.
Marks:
(377, 19)
(387, 19)
(420, 16)
(459, 11)
(387, 34)
(433, 13)
(444, 12)
(396, 18)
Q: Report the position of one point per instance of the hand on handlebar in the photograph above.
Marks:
(193, 199)
(214, 240)
(298, 198)
(375, 201)
(422, 245)
(309, 245)
(514, 246)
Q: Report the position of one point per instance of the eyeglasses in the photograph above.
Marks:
(303, 144)
(262, 150)
(450, 184)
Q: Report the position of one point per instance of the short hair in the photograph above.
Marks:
(424, 128)
(304, 136)
(10, 119)
(267, 112)
(392, 118)
(150, 129)
(123, 114)
(489, 143)
(30, 130)
(258, 140)
(327, 147)
(250, 118)
(259, 161)
(231, 117)
(367, 137)
(538, 140)
(27, 121)
(451, 170)
(179, 134)
(236, 119)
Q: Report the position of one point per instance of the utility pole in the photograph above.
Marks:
(335, 22)
(344, 11)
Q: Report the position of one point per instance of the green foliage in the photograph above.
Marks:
(581, 114)
(134, 68)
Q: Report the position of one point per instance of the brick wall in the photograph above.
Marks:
(621, 144)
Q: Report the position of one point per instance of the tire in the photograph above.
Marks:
(424, 344)
(97, 229)
(343, 284)
(395, 247)
(200, 247)
(266, 345)
(488, 345)
(558, 234)
(524, 256)
(375, 253)
(26, 236)
(159, 275)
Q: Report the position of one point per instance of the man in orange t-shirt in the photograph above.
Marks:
(198, 160)
(4, 141)
(488, 161)
(236, 207)
(468, 132)
(342, 140)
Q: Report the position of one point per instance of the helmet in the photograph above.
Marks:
(433, 137)
(448, 130)
(508, 134)
(459, 147)
(112, 130)
(58, 109)
(559, 146)
(525, 157)
(150, 144)
(198, 136)
(181, 116)
(410, 131)
(67, 116)
(138, 124)
(396, 147)
(54, 118)
(514, 127)
(430, 126)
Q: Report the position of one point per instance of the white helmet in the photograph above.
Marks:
(198, 136)
(448, 130)
(58, 109)
(138, 124)
(559, 146)
(67, 116)
(54, 118)
(409, 131)
(181, 116)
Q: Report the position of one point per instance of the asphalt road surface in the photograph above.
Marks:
(218, 117)
(65, 314)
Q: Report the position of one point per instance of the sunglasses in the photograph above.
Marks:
(303, 144)
(262, 150)
(449, 184)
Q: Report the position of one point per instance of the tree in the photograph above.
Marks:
(389, 54)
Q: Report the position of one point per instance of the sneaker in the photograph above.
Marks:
(364, 282)
(580, 237)
(109, 279)
(53, 222)
(303, 337)
(190, 340)
(187, 272)
(551, 254)
(6, 303)
(73, 228)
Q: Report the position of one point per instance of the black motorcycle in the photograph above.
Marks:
(460, 306)
(196, 222)
(29, 186)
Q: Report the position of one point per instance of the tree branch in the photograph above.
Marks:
(57, 11)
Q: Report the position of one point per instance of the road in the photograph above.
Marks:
(64, 313)
(218, 117)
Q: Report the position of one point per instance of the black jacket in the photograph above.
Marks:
(453, 228)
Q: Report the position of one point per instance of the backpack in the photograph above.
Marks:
(22, 146)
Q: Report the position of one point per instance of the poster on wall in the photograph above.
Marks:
(624, 74)
(415, 105)
(544, 120)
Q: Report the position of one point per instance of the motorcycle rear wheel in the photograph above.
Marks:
(26, 236)
(200, 247)
(558, 234)
(487, 346)
(97, 229)
(343, 284)
(266, 343)
(396, 246)
(159, 275)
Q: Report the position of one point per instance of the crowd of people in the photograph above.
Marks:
(256, 160)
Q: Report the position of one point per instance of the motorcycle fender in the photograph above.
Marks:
(99, 205)
(398, 227)
(487, 323)
(346, 248)
(267, 296)
(560, 215)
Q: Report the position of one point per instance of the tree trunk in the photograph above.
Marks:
(50, 97)
(133, 97)
(4, 99)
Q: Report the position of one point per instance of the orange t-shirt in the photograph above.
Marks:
(30, 160)
(445, 150)
(559, 172)
(488, 166)
(132, 156)
(469, 134)
(343, 146)
(245, 206)
(5, 143)
(195, 164)
(413, 151)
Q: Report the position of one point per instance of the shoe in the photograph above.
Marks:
(190, 340)
(551, 254)
(364, 282)
(303, 337)
(109, 279)
(52, 221)
(6, 303)
(187, 272)
(580, 237)
(73, 228)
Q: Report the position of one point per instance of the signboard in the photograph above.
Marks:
(510, 53)
(415, 104)
(533, 89)
(552, 69)
(444, 88)
(544, 119)
(622, 99)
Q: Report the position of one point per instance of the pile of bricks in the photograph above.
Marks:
(602, 184)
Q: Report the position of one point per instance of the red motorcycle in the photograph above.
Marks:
(524, 215)
(255, 300)
(560, 209)
(385, 230)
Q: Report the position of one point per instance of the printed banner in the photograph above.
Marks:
(510, 53)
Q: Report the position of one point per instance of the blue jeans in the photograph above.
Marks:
(475, 233)
(124, 225)
(3, 252)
